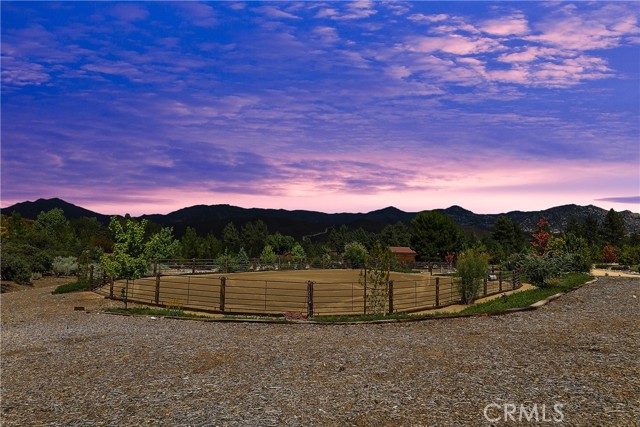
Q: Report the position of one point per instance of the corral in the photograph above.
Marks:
(313, 292)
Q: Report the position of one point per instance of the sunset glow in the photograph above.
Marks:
(148, 107)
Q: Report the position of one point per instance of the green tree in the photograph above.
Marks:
(397, 234)
(161, 245)
(231, 238)
(52, 232)
(281, 244)
(472, 266)
(376, 276)
(435, 235)
(268, 256)
(298, 255)
(613, 229)
(254, 236)
(190, 244)
(355, 254)
(210, 247)
(508, 234)
(128, 258)
(242, 260)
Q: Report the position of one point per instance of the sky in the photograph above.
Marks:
(148, 107)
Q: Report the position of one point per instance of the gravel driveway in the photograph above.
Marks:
(65, 367)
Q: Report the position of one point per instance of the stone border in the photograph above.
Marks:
(531, 307)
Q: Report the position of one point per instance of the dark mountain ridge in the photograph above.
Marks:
(213, 218)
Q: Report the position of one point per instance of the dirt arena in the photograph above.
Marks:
(335, 292)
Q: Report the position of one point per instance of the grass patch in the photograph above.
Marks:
(71, 287)
(147, 311)
(251, 317)
(526, 298)
(362, 318)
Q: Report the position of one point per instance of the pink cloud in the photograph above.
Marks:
(455, 44)
(505, 26)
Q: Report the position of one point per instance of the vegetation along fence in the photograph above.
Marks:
(247, 293)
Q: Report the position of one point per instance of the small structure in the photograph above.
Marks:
(404, 254)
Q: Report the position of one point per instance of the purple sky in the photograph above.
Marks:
(332, 106)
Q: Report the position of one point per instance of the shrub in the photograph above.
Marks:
(609, 253)
(227, 262)
(64, 266)
(472, 267)
(540, 270)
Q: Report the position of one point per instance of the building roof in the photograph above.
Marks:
(402, 250)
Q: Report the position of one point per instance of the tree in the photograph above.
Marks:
(281, 244)
(128, 258)
(190, 244)
(508, 234)
(612, 230)
(376, 276)
(355, 254)
(297, 254)
(161, 245)
(541, 237)
(231, 238)
(254, 235)
(397, 234)
(242, 260)
(472, 268)
(268, 256)
(210, 247)
(435, 235)
(609, 253)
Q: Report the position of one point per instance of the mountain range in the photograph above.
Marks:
(298, 223)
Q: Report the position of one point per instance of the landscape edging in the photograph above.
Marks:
(531, 307)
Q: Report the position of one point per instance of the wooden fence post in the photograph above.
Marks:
(111, 288)
(309, 299)
(193, 266)
(500, 280)
(485, 285)
(516, 279)
(437, 292)
(223, 286)
(364, 308)
(390, 296)
(91, 276)
(157, 287)
(155, 267)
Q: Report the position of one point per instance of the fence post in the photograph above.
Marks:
(91, 276)
(157, 287)
(226, 265)
(155, 267)
(364, 308)
(485, 285)
(193, 266)
(111, 288)
(309, 299)
(500, 280)
(390, 296)
(516, 279)
(223, 286)
(437, 292)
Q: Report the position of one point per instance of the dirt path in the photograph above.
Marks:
(68, 368)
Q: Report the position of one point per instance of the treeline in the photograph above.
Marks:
(52, 244)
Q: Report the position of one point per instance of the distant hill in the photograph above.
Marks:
(30, 210)
(298, 223)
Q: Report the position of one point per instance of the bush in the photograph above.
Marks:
(472, 268)
(64, 266)
(16, 269)
(541, 270)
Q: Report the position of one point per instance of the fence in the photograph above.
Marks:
(241, 295)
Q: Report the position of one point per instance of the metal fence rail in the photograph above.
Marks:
(241, 295)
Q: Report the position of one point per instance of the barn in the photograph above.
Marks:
(403, 253)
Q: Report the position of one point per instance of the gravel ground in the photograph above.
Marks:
(65, 367)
